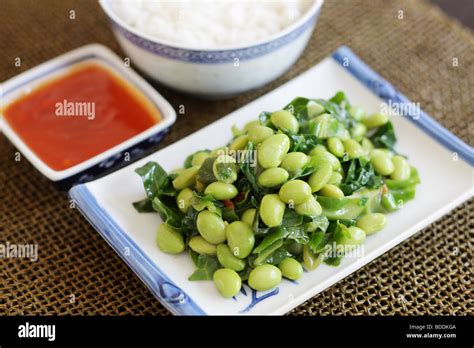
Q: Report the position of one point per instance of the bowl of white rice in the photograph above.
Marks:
(213, 48)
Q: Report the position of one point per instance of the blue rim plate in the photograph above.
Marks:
(439, 156)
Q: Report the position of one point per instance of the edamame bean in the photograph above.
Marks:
(202, 246)
(187, 178)
(375, 120)
(169, 240)
(372, 223)
(284, 120)
(250, 124)
(294, 247)
(349, 236)
(352, 148)
(264, 277)
(309, 208)
(184, 199)
(319, 147)
(257, 134)
(290, 268)
(249, 216)
(221, 190)
(220, 151)
(239, 143)
(367, 145)
(199, 158)
(227, 282)
(335, 179)
(294, 162)
(320, 177)
(272, 150)
(240, 239)
(314, 109)
(211, 227)
(388, 202)
(272, 210)
(295, 192)
(382, 163)
(358, 131)
(310, 260)
(227, 259)
(336, 147)
(401, 170)
(272, 177)
(326, 156)
(224, 169)
(332, 191)
(357, 113)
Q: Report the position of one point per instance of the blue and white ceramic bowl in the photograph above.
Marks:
(114, 157)
(214, 72)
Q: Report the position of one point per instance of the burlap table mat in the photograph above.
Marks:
(78, 273)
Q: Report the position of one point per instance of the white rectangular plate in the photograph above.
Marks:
(443, 161)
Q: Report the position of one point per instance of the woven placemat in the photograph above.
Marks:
(78, 273)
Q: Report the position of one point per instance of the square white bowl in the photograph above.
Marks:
(438, 155)
(94, 166)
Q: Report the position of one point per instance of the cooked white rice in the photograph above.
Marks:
(210, 23)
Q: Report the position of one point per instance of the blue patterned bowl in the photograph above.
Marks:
(214, 73)
(104, 162)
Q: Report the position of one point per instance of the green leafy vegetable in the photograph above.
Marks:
(360, 173)
(155, 180)
(385, 136)
(206, 266)
(170, 214)
(206, 173)
(144, 206)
